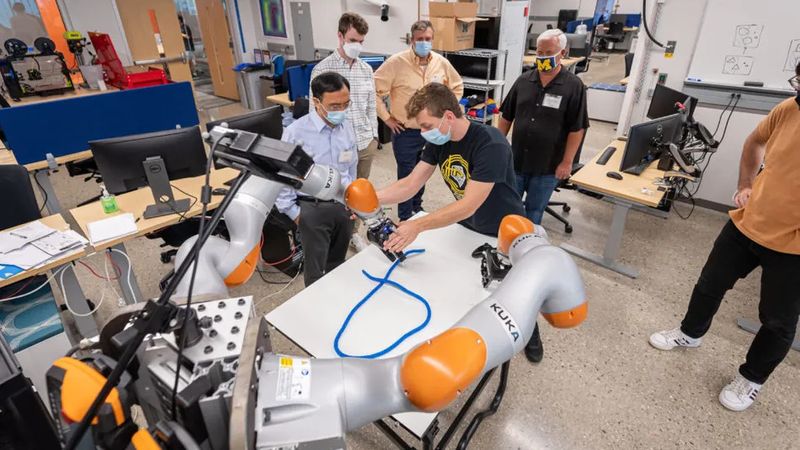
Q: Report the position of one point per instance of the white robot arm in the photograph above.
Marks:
(345, 394)
(230, 263)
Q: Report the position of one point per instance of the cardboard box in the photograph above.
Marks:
(453, 34)
(452, 9)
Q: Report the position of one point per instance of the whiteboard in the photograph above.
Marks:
(745, 40)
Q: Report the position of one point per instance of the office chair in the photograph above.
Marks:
(565, 184)
(281, 82)
(20, 201)
(579, 46)
(614, 33)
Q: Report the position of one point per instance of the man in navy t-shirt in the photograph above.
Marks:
(475, 161)
(477, 165)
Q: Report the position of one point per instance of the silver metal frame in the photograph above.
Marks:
(752, 326)
(613, 242)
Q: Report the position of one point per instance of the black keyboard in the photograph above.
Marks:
(603, 159)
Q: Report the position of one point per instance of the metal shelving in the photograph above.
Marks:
(487, 85)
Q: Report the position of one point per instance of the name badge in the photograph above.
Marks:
(346, 156)
(552, 101)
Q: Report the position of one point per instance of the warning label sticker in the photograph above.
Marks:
(294, 379)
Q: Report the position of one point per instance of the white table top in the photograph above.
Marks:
(446, 275)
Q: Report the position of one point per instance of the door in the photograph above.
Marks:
(152, 30)
(303, 34)
(219, 47)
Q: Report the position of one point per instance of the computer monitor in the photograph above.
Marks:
(565, 16)
(266, 122)
(664, 102)
(647, 141)
(153, 159)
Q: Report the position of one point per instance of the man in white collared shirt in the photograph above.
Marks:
(327, 136)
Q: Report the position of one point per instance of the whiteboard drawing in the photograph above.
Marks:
(792, 56)
(737, 65)
(748, 36)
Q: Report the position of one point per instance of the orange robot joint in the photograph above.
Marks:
(437, 371)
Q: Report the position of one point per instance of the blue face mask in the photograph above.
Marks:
(423, 48)
(546, 63)
(334, 117)
(436, 137)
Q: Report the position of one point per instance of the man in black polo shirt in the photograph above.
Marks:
(548, 109)
(476, 164)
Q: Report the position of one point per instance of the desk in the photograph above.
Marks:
(624, 29)
(623, 194)
(446, 275)
(628, 34)
(7, 157)
(281, 99)
(568, 63)
(135, 203)
(78, 92)
(73, 291)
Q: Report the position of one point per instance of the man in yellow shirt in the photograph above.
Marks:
(398, 79)
(764, 231)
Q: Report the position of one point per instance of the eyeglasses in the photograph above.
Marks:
(795, 82)
(335, 106)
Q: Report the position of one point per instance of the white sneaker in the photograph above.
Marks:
(669, 339)
(357, 243)
(739, 394)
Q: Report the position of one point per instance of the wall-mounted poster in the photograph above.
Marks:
(272, 19)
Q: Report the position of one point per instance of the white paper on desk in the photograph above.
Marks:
(26, 257)
(9, 242)
(18, 237)
(58, 243)
(111, 228)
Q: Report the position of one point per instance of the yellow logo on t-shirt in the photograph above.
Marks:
(455, 171)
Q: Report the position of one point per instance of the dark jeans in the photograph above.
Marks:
(407, 147)
(537, 191)
(733, 257)
(325, 230)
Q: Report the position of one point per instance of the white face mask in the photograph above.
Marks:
(352, 49)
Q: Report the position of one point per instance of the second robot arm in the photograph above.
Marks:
(224, 263)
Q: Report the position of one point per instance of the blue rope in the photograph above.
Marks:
(381, 282)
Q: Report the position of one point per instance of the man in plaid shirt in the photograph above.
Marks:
(344, 61)
(361, 113)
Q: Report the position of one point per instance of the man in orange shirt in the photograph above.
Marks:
(764, 231)
(398, 79)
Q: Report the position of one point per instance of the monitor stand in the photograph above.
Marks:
(158, 180)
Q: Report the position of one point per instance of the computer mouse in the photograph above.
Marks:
(614, 175)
